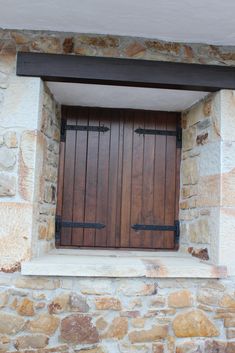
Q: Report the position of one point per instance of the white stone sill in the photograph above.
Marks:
(113, 263)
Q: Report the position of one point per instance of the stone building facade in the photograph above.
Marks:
(145, 314)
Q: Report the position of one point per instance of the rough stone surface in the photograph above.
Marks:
(34, 341)
(180, 299)
(106, 303)
(79, 329)
(10, 324)
(153, 334)
(194, 323)
(7, 185)
(118, 328)
(44, 323)
(26, 308)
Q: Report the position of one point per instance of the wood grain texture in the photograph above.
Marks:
(119, 178)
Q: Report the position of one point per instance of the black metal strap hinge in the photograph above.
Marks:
(85, 128)
(177, 133)
(155, 227)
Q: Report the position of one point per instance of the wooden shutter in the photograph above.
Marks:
(118, 179)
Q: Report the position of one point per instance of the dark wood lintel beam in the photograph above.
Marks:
(125, 72)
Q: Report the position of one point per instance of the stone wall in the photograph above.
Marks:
(116, 315)
(114, 46)
(200, 179)
(29, 149)
(97, 315)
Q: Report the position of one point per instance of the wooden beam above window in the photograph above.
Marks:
(125, 72)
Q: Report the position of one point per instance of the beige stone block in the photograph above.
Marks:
(4, 343)
(138, 322)
(208, 296)
(158, 348)
(21, 104)
(227, 115)
(15, 234)
(199, 231)
(101, 324)
(31, 341)
(7, 158)
(189, 138)
(230, 333)
(190, 171)
(155, 333)
(131, 288)
(188, 347)
(228, 188)
(7, 184)
(180, 299)
(10, 139)
(228, 301)
(209, 191)
(59, 304)
(26, 307)
(133, 348)
(27, 158)
(194, 323)
(189, 191)
(10, 324)
(107, 303)
(118, 329)
(44, 323)
(229, 321)
(37, 283)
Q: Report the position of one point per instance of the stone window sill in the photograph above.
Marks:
(100, 263)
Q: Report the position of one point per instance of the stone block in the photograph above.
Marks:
(78, 329)
(155, 333)
(199, 231)
(36, 283)
(190, 171)
(10, 324)
(194, 323)
(132, 288)
(180, 299)
(10, 139)
(78, 303)
(228, 301)
(230, 333)
(117, 330)
(27, 158)
(59, 304)
(133, 348)
(7, 184)
(188, 347)
(14, 235)
(31, 341)
(107, 303)
(44, 323)
(26, 308)
(189, 138)
(7, 158)
(158, 348)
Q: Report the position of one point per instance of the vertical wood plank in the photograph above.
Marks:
(70, 148)
(170, 181)
(80, 177)
(102, 214)
(159, 185)
(126, 179)
(136, 237)
(113, 221)
(91, 178)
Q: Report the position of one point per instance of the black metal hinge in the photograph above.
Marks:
(164, 228)
(86, 128)
(177, 133)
